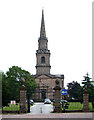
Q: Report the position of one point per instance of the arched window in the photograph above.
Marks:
(43, 59)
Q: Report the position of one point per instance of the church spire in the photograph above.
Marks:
(42, 31)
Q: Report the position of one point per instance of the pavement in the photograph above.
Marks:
(52, 116)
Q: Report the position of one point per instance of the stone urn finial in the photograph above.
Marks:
(57, 82)
(23, 82)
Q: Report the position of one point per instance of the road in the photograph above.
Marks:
(41, 108)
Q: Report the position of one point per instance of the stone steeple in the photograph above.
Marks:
(42, 31)
(43, 54)
(42, 39)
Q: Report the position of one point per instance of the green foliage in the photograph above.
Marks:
(90, 88)
(11, 107)
(5, 90)
(86, 82)
(11, 83)
(75, 91)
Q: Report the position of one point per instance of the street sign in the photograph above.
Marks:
(64, 92)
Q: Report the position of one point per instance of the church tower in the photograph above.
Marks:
(43, 54)
(44, 80)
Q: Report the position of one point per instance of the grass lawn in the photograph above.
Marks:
(11, 107)
(72, 106)
(77, 106)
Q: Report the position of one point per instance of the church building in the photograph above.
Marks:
(44, 79)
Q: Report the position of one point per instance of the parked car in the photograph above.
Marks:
(47, 101)
(63, 101)
(31, 102)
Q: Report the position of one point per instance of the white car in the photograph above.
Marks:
(47, 101)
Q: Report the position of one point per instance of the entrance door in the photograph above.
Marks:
(43, 94)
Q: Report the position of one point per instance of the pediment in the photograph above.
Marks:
(43, 77)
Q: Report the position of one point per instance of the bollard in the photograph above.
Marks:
(40, 109)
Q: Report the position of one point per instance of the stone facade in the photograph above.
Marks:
(45, 85)
(44, 80)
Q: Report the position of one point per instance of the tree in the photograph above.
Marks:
(11, 83)
(90, 88)
(5, 91)
(75, 91)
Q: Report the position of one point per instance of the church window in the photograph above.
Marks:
(43, 59)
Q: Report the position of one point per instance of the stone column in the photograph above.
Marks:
(85, 100)
(23, 98)
(57, 96)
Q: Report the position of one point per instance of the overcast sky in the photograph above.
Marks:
(68, 26)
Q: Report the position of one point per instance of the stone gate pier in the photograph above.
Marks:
(57, 97)
(23, 97)
(85, 100)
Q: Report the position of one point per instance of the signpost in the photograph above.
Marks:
(64, 92)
